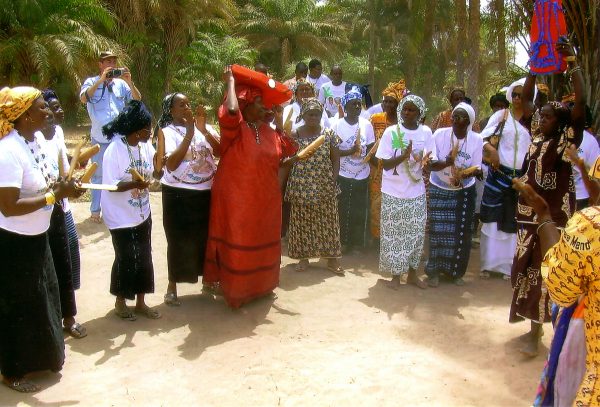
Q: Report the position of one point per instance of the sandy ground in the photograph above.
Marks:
(324, 341)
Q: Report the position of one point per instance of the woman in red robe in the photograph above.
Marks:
(243, 252)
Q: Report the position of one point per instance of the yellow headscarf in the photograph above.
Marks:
(13, 103)
(396, 90)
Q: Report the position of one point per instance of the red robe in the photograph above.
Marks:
(244, 246)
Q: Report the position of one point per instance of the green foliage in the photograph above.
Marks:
(200, 77)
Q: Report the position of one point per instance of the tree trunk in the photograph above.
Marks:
(372, 51)
(427, 48)
(285, 55)
(461, 40)
(474, 39)
(501, 34)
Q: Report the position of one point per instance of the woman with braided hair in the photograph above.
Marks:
(188, 174)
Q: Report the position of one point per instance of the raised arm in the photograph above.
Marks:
(528, 96)
(232, 102)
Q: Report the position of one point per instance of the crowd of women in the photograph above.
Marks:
(331, 182)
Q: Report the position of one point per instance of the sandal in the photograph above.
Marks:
(95, 217)
(148, 312)
(212, 288)
(171, 299)
(21, 385)
(484, 274)
(76, 330)
(125, 313)
(301, 266)
(337, 270)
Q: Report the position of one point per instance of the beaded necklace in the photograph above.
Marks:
(254, 127)
(38, 157)
(139, 169)
(454, 170)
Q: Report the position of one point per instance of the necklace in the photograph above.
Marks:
(138, 168)
(39, 157)
(192, 142)
(254, 127)
(454, 170)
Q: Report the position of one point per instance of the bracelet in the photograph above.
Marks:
(50, 198)
(544, 223)
(573, 70)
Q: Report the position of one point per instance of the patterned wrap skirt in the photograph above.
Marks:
(451, 217)
(132, 271)
(314, 230)
(402, 233)
(73, 250)
(30, 317)
(530, 294)
(185, 220)
(61, 257)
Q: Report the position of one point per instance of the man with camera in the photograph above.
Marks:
(105, 95)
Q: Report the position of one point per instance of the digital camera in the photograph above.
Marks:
(115, 73)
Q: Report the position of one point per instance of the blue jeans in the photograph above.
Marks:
(97, 178)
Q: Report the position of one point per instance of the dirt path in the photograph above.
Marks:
(324, 341)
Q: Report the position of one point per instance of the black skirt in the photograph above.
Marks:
(185, 219)
(132, 271)
(353, 206)
(61, 256)
(31, 338)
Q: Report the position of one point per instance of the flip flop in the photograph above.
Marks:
(76, 330)
(22, 386)
(148, 313)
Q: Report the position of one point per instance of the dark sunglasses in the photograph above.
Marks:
(515, 94)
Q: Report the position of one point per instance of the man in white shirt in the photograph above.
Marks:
(588, 151)
(105, 95)
(316, 76)
(332, 92)
(300, 72)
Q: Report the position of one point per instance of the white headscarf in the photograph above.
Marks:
(520, 82)
(470, 111)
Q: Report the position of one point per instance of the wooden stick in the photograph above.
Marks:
(136, 175)
(89, 173)
(74, 160)
(311, 148)
(103, 187)
(61, 164)
(89, 153)
(371, 152)
(357, 143)
(287, 125)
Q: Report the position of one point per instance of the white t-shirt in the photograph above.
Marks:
(506, 148)
(350, 166)
(320, 81)
(20, 170)
(129, 208)
(198, 167)
(374, 109)
(331, 95)
(589, 151)
(405, 185)
(55, 147)
(469, 154)
(294, 108)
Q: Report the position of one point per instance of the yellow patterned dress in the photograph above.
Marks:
(570, 269)
(380, 123)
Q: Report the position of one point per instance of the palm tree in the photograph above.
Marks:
(41, 40)
(290, 29)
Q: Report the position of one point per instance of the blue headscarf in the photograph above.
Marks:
(352, 94)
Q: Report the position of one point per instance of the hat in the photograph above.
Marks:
(273, 92)
(106, 54)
